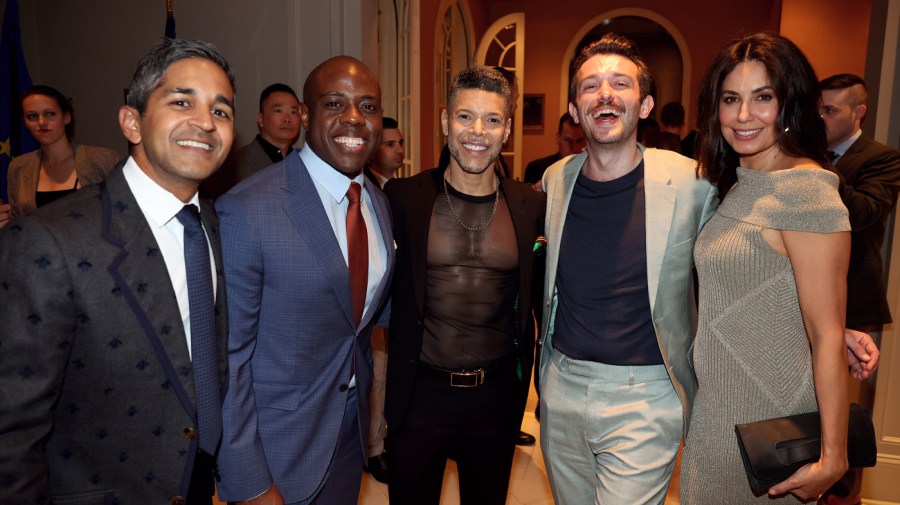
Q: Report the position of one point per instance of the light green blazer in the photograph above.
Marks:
(677, 207)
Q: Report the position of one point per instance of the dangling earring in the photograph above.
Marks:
(787, 129)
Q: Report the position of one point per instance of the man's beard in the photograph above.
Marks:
(470, 169)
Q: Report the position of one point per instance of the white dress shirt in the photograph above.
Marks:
(332, 187)
(160, 208)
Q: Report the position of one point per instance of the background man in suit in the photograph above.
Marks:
(569, 140)
(870, 173)
(308, 254)
(388, 156)
(105, 349)
(382, 167)
(462, 334)
(616, 384)
(278, 121)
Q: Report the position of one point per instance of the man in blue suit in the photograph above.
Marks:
(296, 414)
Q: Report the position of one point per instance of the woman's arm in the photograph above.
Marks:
(820, 264)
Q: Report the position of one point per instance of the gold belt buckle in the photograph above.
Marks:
(467, 378)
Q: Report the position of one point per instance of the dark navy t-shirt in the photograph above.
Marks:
(603, 311)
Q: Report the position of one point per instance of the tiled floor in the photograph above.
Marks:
(528, 483)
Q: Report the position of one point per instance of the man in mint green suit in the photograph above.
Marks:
(619, 312)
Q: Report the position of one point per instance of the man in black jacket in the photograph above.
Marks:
(870, 173)
(461, 332)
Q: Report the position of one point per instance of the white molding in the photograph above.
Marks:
(518, 19)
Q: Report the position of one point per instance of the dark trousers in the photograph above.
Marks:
(201, 489)
(475, 426)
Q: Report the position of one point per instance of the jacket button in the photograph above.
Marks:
(189, 433)
(344, 388)
(176, 500)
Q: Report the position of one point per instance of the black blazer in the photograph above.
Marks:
(98, 395)
(534, 172)
(870, 173)
(412, 201)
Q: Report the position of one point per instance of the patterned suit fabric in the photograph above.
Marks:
(240, 164)
(99, 402)
(293, 339)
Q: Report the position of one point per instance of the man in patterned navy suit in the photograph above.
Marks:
(100, 369)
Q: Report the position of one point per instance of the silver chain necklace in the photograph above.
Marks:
(484, 224)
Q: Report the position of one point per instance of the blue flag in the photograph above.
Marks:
(170, 19)
(14, 80)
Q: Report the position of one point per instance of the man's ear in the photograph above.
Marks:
(304, 116)
(646, 106)
(860, 111)
(573, 112)
(259, 120)
(130, 123)
(445, 127)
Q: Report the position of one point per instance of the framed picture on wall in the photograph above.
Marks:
(533, 114)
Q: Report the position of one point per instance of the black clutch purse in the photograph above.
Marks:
(774, 449)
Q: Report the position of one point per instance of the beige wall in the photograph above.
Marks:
(89, 50)
(705, 25)
(833, 35)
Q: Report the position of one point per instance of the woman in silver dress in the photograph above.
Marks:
(772, 267)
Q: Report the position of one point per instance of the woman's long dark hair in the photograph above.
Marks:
(799, 130)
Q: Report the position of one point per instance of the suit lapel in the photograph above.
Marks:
(659, 202)
(382, 215)
(140, 275)
(211, 225)
(304, 208)
(420, 223)
(515, 200)
(557, 207)
(848, 164)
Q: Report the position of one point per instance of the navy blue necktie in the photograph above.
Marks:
(202, 306)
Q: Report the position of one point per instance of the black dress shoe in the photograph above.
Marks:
(377, 466)
(525, 439)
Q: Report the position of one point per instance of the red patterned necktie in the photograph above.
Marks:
(357, 252)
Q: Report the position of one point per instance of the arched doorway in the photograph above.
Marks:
(454, 44)
(661, 44)
(503, 45)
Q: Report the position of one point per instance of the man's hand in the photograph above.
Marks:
(270, 497)
(862, 353)
(4, 214)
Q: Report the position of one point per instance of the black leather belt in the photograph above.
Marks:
(470, 377)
